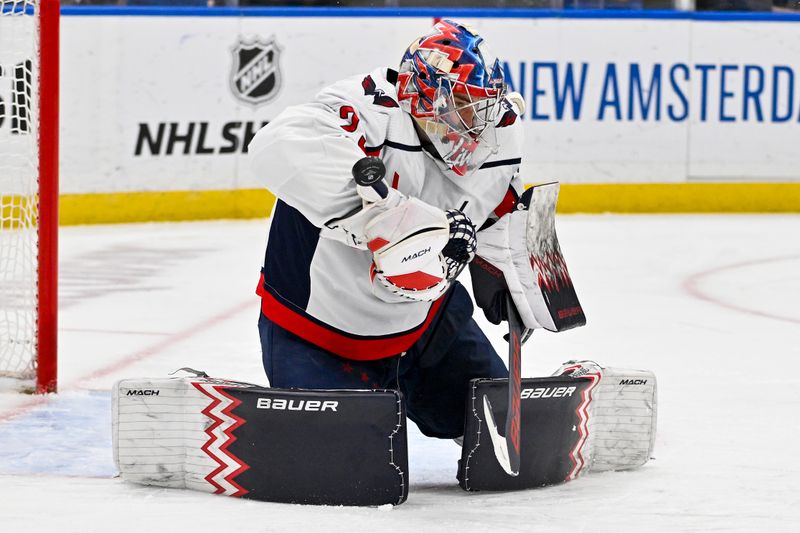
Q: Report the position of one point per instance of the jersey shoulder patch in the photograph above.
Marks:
(379, 96)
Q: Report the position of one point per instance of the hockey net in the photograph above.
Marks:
(28, 193)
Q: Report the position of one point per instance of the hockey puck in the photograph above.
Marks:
(368, 171)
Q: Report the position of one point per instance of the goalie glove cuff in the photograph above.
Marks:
(462, 243)
(351, 228)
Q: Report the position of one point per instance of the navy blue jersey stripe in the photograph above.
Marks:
(502, 163)
(290, 249)
(404, 147)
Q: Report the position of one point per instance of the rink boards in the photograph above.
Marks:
(662, 112)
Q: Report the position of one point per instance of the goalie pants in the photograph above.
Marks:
(433, 375)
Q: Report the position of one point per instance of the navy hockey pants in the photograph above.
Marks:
(433, 375)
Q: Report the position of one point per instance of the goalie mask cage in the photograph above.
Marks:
(29, 40)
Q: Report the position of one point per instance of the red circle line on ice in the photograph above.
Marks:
(693, 285)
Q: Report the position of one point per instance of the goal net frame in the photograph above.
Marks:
(44, 110)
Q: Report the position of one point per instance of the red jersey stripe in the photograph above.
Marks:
(350, 347)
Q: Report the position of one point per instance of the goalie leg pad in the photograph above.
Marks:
(622, 415)
(549, 421)
(342, 447)
(586, 419)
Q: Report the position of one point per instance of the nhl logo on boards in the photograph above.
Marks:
(256, 73)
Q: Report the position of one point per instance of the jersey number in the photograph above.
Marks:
(348, 113)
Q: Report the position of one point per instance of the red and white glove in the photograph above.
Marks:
(406, 242)
(418, 249)
(410, 267)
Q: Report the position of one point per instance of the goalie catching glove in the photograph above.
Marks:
(418, 250)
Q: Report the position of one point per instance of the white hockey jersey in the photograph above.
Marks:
(315, 285)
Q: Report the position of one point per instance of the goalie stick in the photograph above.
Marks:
(507, 450)
(527, 284)
(514, 388)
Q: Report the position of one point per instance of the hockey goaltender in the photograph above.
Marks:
(388, 185)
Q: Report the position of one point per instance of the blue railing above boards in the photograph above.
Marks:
(696, 5)
(189, 11)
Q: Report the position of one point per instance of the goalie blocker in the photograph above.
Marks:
(343, 447)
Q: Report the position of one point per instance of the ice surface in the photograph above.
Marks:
(709, 303)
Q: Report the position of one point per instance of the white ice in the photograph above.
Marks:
(709, 303)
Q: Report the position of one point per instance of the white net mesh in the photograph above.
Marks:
(19, 186)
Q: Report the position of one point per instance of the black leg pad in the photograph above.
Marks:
(552, 433)
(342, 447)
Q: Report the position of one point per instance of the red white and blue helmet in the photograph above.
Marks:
(453, 86)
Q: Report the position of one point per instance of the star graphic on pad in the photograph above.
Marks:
(347, 367)
(364, 377)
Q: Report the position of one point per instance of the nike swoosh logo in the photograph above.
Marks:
(499, 442)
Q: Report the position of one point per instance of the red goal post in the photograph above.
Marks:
(47, 370)
(29, 128)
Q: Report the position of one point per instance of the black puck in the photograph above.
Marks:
(368, 171)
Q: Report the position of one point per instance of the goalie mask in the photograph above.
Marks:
(453, 87)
